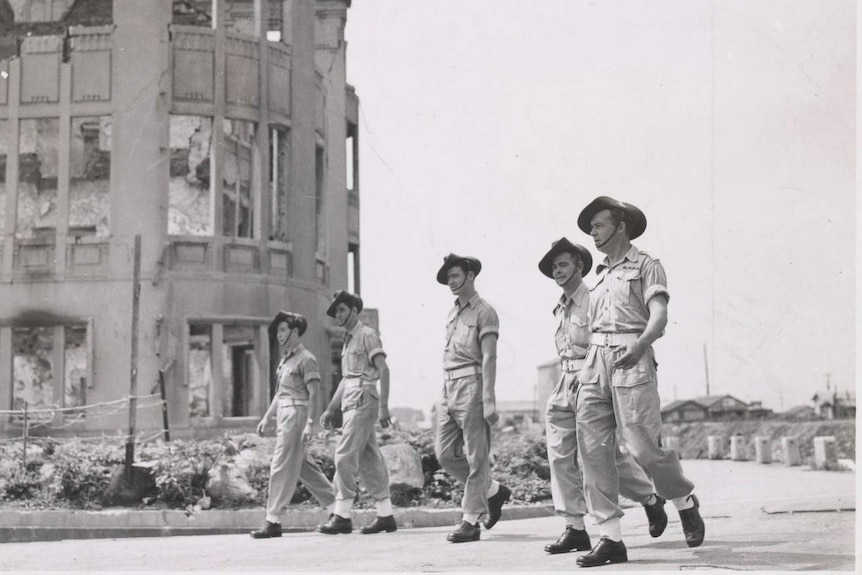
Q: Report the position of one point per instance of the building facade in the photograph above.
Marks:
(224, 135)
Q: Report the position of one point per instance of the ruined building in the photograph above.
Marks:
(224, 134)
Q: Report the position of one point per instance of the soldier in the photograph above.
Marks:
(295, 404)
(618, 391)
(468, 406)
(363, 363)
(567, 263)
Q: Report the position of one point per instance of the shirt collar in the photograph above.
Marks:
(632, 255)
(355, 330)
(471, 302)
(577, 296)
(299, 347)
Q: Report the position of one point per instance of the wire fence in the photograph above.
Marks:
(55, 418)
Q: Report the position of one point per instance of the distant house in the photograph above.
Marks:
(832, 404)
(520, 414)
(682, 411)
(723, 407)
(757, 411)
(408, 416)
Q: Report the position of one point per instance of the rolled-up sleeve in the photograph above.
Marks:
(310, 370)
(488, 322)
(372, 343)
(654, 280)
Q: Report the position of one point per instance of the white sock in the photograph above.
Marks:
(330, 509)
(610, 529)
(384, 507)
(343, 507)
(273, 518)
(575, 522)
(651, 500)
(682, 503)
(471, 518)
(494, 488)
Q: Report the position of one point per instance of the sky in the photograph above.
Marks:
(486, 126)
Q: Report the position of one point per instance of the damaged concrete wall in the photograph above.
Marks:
(37, 177)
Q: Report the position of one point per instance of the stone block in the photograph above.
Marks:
(716, 447)
(825, 456)
(763, 449)
(404, 465)
(737, 448)
(790, 448)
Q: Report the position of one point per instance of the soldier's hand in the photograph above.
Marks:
(261, 427)
(490, 412)
(326, 419)
(384, 418)
(308, 432)
(631, 355)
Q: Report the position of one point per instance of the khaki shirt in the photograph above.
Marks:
(361, 345)
(295, 370)
(465, 328)
(573, 324)
(619, 301)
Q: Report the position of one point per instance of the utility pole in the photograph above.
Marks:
(133, 385)
(706, 369)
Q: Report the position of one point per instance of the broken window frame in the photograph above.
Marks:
(82, 165)
(279, 181)
(221, 354)
(29, 230)
(238, 200)
(207, 228)
(58, 360)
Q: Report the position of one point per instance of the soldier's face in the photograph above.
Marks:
(602, 228)
(283, 333)
(563, 268)
(342, 314)
(456, 278)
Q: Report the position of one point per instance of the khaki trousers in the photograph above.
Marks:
(463, 442)
(567, 488)
(291, 463)
(357, 454)
(615, 401)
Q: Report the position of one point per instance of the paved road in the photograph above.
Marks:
(758, 517)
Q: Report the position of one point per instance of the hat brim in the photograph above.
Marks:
(561, 247)
(347, 299)
(283, 316)
(451, 260)
(636, 216)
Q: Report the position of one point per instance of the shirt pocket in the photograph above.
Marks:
(625, 284)
(356, 361)
(579, 330)
(465, 332)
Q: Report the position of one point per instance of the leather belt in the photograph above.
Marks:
(289, 402)
(356, 382)
(460, 372)
(613, 339)
(572, 365)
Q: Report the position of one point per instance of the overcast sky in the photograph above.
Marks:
(487, 125)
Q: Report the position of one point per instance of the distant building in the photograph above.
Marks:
(757, 411)
(832, 404)
(519, 414)
(683, 411)
(223, 134)
(722, 407)
(408, 416)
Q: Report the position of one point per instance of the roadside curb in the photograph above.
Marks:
(28, 526)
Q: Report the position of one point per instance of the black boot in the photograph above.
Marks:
(386, 523)
(269, 530)
(495, 505)
(605, 552)
(336, 524)
(656, 516)
(692, 523)
(571, 540)
(465, 533)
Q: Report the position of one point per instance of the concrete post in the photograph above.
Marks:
(716, 446)
(737, 448)
(790, 447)
(763, 449)
(825, 456)
(672, 443)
